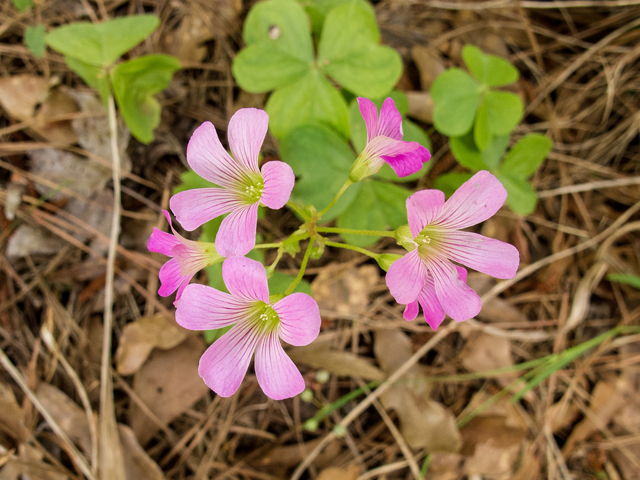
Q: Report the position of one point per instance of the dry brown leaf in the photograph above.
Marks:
(289, 455)
(28, 465)
(68, 415)
(352, 472)
(138, 465)
(322, 356)
(168, 383)
(430, 64)
(495, 310)
(444, 466)
(28, 240)
(343, 289)
(420, 106)
(560, 415)
(141, 337)
(57, 103)
(11, 419)
(424, 423)
(20, 94)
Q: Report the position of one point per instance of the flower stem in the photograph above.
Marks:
(352, 247)
(344, 187)
(268, 245)
(376, 233)
(272, 267)
(298, 210)
(303, 267)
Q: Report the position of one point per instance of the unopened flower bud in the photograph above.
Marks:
(386, 260)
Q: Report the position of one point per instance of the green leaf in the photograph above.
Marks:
(490, 70)
(280, 281)
(34, 39)
(321, 161)
(134, 84)
(102, 44)
(22, 5)
(378, 206)
(627, 279)
(349, 52)
(521, 198)
(526, 156)
(94, 76)
(456, 97)
(279, 49)
(504, 111)
(191, 179)
(468, 155)
(450, 182)
(481, 132)
(312, 99)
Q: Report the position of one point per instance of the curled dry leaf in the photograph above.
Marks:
(28, 464)
(430, 64)
(168, 384)
(352, 472)
(141, 337)
(11, 419)
(21, 94)
(420, 106)
(138, 465)
(424, 423)
(343, 289)
(290, 455)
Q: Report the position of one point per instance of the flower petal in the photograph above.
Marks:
(388, 147)
(411, 311)
(299, 319)
(487, 255)
(277, 375)
(422, 208)
(390, 122)
(477, 199)
(194, 207)
(245, 278)
(162, 242)
(369, 113)
(208, 158)
(246, 132)
(458, 300)
(193, 258)
(407, 163)
(205, 308)
(183, 285)
(278, 183)
(170, 278)
(225, 363)
(406, 277)
(237, 233)
(431, 308)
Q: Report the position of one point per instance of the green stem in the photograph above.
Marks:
(350, 231)
(272, 267)
(303, 267)
(298, 210)
(269, 245)
(344, 187)
(352, 247)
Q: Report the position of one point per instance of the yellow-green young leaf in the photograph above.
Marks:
(526, 156)
(135, 83)
(94, 76)
(490, 70)
(504, 111)
(312, 99)
(279, 49)
(321, 9)
(481, 132)
(521, 197)
(102, 44)
(350, 53)
(627, 279)
(378, 206)
(321, 161)
(450, 182)
(456, 97)
(34, 39)
(22, 5)
(468, 155)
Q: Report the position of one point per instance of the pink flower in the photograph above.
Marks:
(384, 143)
(257, 325)
(243, 185)
(425, 275)
(189, 257)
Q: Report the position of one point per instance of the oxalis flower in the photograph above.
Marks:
(243, 186)
(257, 326)
(425, 275)
(384, 143)
(188, 258)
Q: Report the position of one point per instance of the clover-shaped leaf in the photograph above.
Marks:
(504, 111)
(456, 97)
(450, 182)
(526, 156)
(490, 70)
(101, 44)
(521, 196)
(134, 84)
(468, 155)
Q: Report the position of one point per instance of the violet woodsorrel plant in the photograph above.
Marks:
(255, 320)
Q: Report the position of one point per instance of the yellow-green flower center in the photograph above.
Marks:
(265, 319)
(252, 188)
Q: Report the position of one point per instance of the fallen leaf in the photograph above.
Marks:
(322, 356)
(168, 383)
(28, 240)
(141, 337)
(420, 106)
(430, 64)
(58, 103)
(424, 423)
(444, 466)
(28, 465)
(138, 465)
(21, 94)
(289, 455)
(352, 472)
(68, 415)
(11, 418)
(343, 289)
